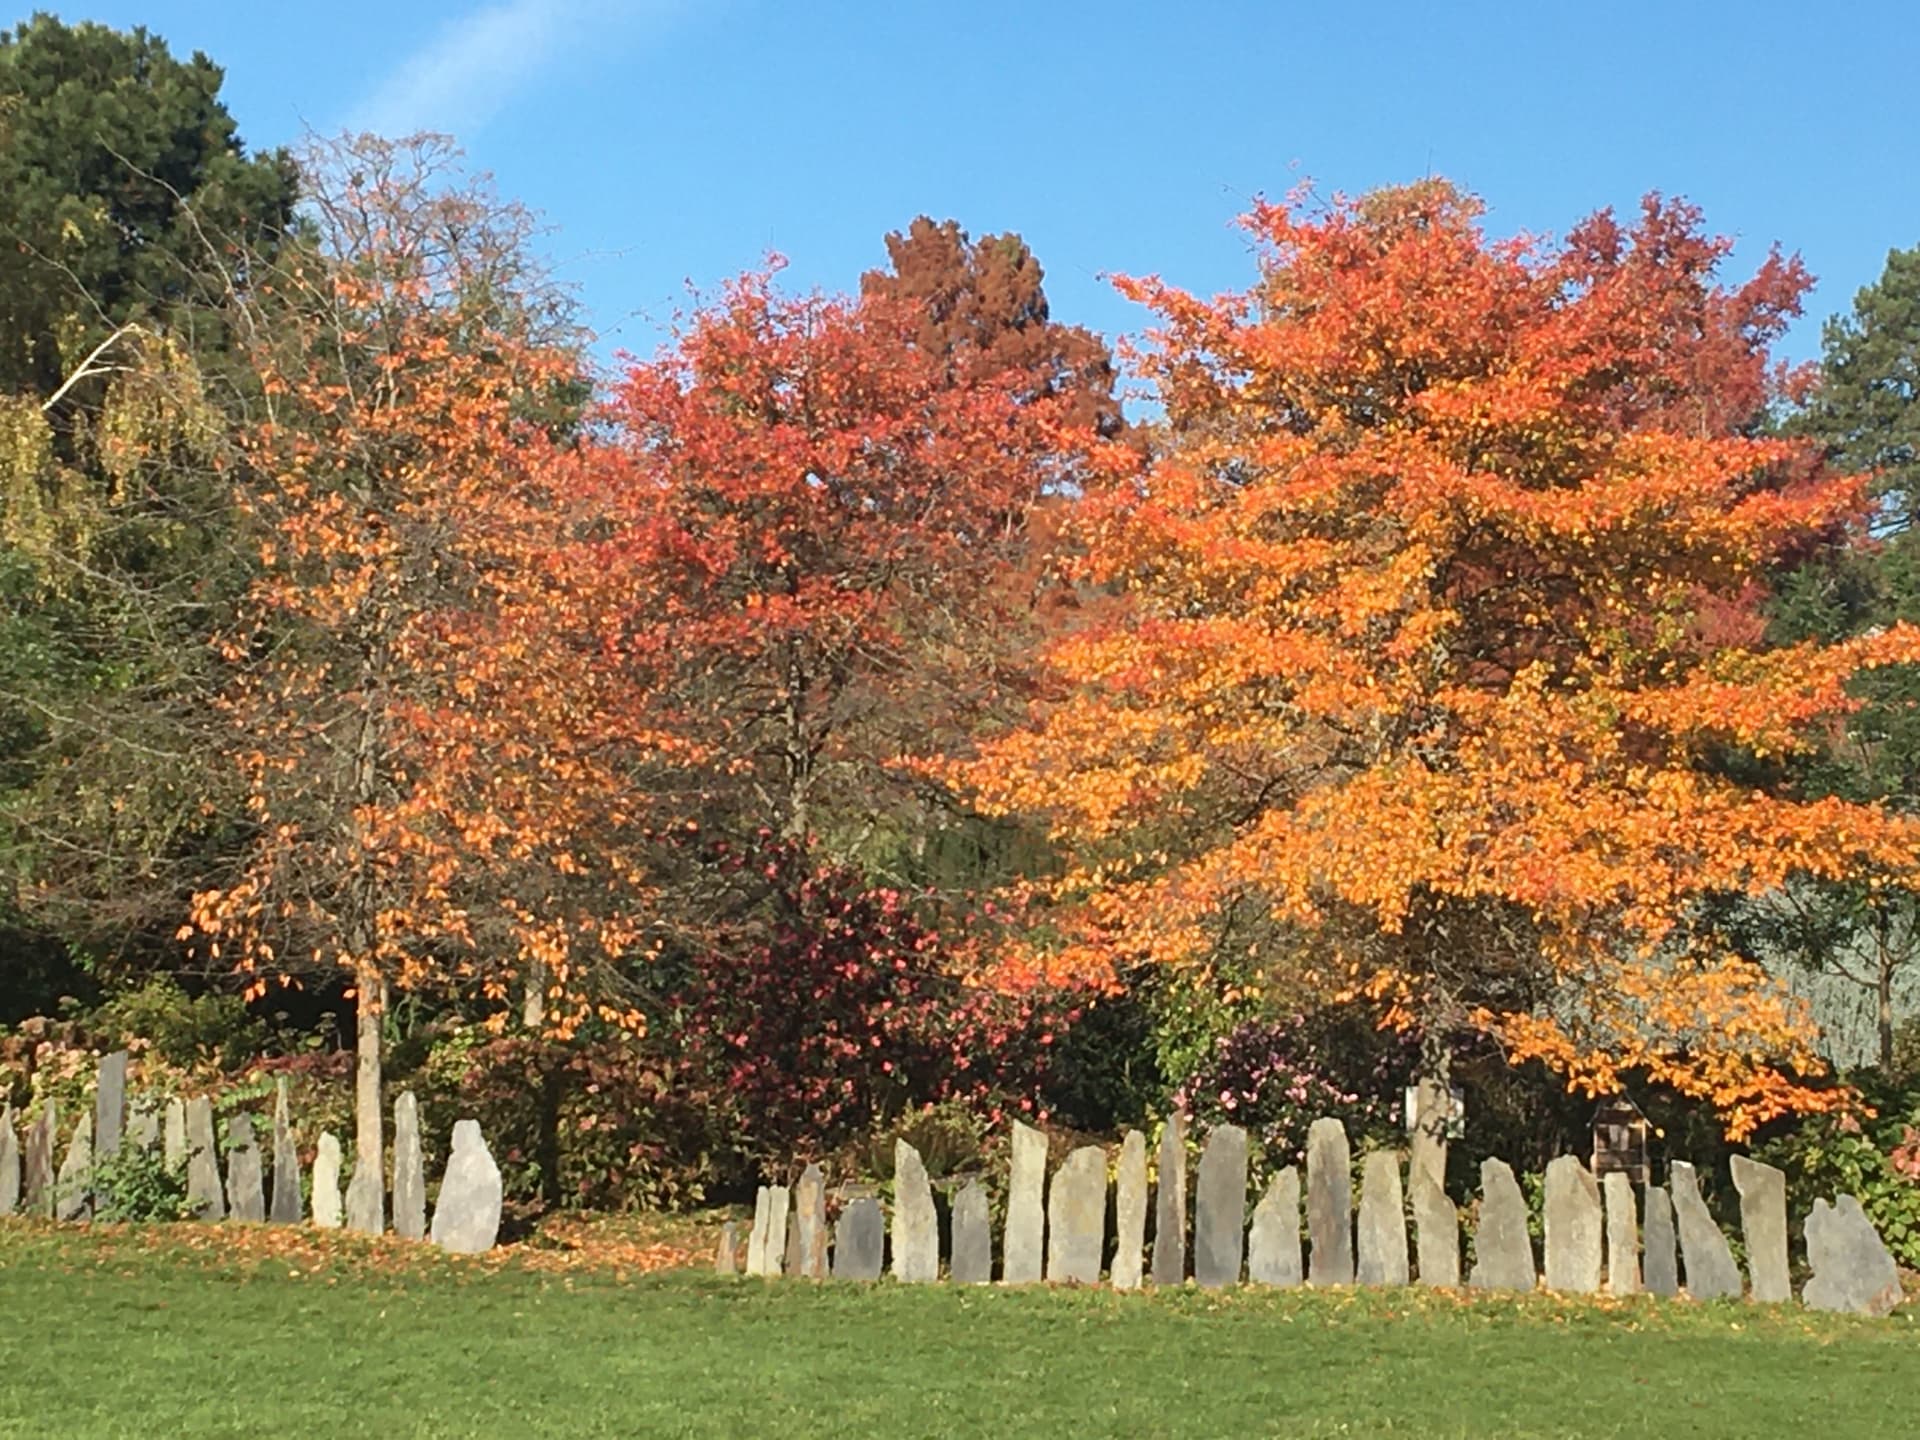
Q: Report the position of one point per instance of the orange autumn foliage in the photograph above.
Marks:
(432, 733)
(1411, 694)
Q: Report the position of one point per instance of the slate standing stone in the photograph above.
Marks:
(1502, 1249)
(246, 1184)
(367, 1194)
(1077, 1217)
(1130, 1213)
(809, 1258)
(916, 1225)
(143, 1123)
(1025, 1251)
(1623, 1234)
(1273, 1241)
(203, 1162)
(1575, 1227)
(37, 1197)
(726, 1251)
(110, 1104)
(1436, 1229)
(1662, 1259)
(327, 1210)
(1763, 1224)
(972, 1260)
(757, 1235)
(779, 1203)
(1220, 1209)
(1383, 1222)
(1852, 1270)
(173, 1134)
(1170, 1205)
(72, 1197)
(285, 1209)
(9, 1163)
(791, 1263)
(859, 1241)
(1705, 1257)
(409, 1170)
(1329, 1204)
(466, 1214)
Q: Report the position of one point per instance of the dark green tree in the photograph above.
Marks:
(1866, 413)
(127, 206)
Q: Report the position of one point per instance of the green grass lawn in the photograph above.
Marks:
(185, 1332)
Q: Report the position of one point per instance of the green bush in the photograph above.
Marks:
(1877, 1159)
(136, 1186)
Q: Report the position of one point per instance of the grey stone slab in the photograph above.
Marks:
(285, 1208)
(726, 1251)
(1436, 1229)
(757, 1234)
(1220, 1208)
(1623, 1234)
(1575, 1227)
(466, 1213)
(916, 1224)
(1170, 1205)
(1130, 1213)
(9, 1163)
(791, 1264)
(779, 1205)
(204, 1189)
(246, 1181)
(328, 1212)
(37, 1172)
(1077, 1217)
(1273, 1240)
(1382, 1228)
(971, 1262)
(1329, 1204)
(860, 1241)
(1763, 1224)
(409, 1170)
(143, 1122)
(1025, 1249)
(810, 1225)
(1705, 1257)
(1852, 1269)
(1661, 1266)
(110, 1104)
(173, 1134)
(72, 1187)
(367, 1193)
(1502, 1249)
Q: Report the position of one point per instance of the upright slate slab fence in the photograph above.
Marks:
(227, 1177)
(1594, 1240)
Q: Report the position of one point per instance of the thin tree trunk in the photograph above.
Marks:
(366, 1192)
(1884, 994)
(1432, 1111)
(533, 1004)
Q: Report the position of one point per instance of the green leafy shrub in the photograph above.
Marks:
(137, 1186)
(1877, 1159)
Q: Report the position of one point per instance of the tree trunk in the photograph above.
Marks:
(366, 1192)
(1432, 1111)
(1883, 993)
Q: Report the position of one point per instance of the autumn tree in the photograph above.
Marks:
(1411, 701)
(421, 705)
(813, 512)
(981, 306)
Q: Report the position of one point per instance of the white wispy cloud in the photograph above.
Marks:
(479, 61)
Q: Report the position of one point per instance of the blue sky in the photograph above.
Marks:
(680, 140)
